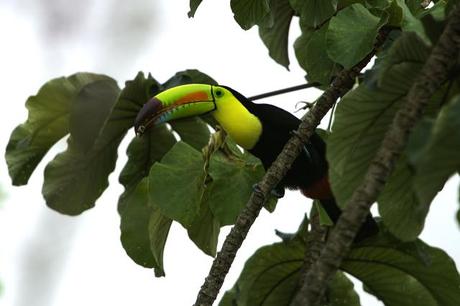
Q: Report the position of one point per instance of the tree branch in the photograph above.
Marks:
(315, 243)
(224, 259)
(283, 91)
(434, 72)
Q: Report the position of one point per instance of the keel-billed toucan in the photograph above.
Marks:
(261, 129)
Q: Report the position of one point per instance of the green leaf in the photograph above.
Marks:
(134, 226)
(192, 131)
(194, 4)
(351, 34)
(249, 12)
(324, 218)
(95, 101)
(396, 14)
(275, 37)
(341, 292)
(231, 186)
(314, 13)
(361, 121)
(142, 153)
(438, 159)
(75, 178)
(204, 230)
(188, 77)
(397, 275)
(378, 4)
(177, 183)
(271, 275)
(310, 49)
(411, 23)
(177, 187)
(48, 121)
(158, 228)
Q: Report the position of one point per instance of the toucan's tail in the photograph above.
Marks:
(368, 228)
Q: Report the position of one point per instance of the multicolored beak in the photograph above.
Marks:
(177, 102)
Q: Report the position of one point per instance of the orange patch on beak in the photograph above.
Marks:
(193, 97)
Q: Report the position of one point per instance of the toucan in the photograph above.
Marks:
(261, 129)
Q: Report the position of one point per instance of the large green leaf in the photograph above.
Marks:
(310, 49)
(142, 153)
(93, 103)
(361, 121)
(271, 277)
(144, 229)
(135, 220)
(249, 12)
(411, 23)
(341, 292)
(402, 274)
(187, 77)
(275, 36)
(205, 228)
(159, 226)
(75, 178)
(177, 188)
(231, 186)
(48, 121)
(147, 228)
(177, 183)
(192, 131)
(314, 13)
(397, 273)
(351, 34)
(439, 158)
(200, 197)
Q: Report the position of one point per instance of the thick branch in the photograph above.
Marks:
(434, 72)
(224, 259)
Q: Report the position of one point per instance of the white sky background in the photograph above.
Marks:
(50, 259)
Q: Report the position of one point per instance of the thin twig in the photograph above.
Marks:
(434, 72)
(283, 91)
(224, 259)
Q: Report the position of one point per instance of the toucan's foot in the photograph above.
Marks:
(256, 188)
(277, 192)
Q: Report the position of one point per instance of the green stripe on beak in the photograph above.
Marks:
(175, 103)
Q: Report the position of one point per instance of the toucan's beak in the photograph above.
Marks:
(177, 102)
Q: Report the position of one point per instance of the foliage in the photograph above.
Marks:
(175, 173)
(397, 273)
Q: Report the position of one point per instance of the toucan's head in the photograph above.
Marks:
(180, 102)
(230, 109)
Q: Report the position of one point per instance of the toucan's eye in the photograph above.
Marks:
(219, 93)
